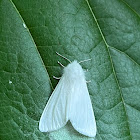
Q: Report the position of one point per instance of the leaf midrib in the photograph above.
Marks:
(113, 69)
(34, 44)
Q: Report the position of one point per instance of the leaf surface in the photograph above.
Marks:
(106, 31)
(24, 81)
(134, 5)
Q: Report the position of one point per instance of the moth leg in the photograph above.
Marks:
(86, 70)
(88, 81)
(57, 78)
(60, 64)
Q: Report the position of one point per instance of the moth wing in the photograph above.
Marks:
(54, 115)
(81, 113)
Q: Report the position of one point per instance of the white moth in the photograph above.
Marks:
(70, 101)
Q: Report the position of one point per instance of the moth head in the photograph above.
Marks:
(74, 70)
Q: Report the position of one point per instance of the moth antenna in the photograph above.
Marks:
(88, 81)
(63, 56)
(57, 78)
(60, 64)
(84, 60)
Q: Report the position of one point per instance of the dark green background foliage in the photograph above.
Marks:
(108, 31)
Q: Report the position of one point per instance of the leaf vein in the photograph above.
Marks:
(111, 63)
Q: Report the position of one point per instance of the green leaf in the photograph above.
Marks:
(106, 31)
(24, 82)
(134, 5)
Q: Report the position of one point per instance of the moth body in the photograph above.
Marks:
(70, 101)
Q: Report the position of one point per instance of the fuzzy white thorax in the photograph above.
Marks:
(74, 71)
